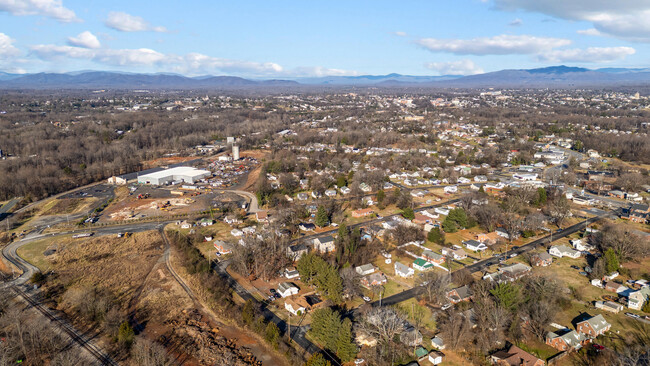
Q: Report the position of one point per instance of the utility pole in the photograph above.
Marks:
(289, 327)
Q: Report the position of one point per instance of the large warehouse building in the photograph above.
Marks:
(184, 174)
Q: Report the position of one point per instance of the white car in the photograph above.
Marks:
(359, 361)
(366, 299)
(445, 306)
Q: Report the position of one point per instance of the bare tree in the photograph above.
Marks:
(487, 215)
(148, 353)
(454, 329)
(434, 286)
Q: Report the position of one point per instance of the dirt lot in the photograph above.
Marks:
(166, 161)
(130, 207)
(68, 206)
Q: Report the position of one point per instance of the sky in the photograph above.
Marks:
(291, 39)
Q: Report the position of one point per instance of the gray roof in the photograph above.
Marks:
(401, 267)
(597, 322)
(284, 286)
(571, 338)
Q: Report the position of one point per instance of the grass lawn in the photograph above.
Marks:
(33, 253)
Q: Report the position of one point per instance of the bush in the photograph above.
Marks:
(38, 277)
(126, 334)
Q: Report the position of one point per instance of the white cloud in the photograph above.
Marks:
(626, 19)
(589, 55)
(84, 39)
(589, 32)
(460, 67)
(400, 34)
(130, 23)
(7, 49)
(515, 23)
(498, 45)
(188, 64)
(49, 8)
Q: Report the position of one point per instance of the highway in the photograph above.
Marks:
(4, 210)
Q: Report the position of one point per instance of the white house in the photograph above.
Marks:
(475, 245)
(286, 289)
(403, 270)
(365, 269)
(437, 343)
(441, 210)
(293, 307)
(451, 189)
(435, 357)
(563, 251)
(578, 244)
(345, 190)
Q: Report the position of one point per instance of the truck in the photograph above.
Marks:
(82, 235)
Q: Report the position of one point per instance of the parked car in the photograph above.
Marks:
(366, 299)
(632, 315)
(575, 267)
(513, 255)
(581, 273)
(598, 347)
(445, 306)
(359, 361)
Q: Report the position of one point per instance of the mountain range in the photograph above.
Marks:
(554, 77)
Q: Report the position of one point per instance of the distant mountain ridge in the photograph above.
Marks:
(553, 76)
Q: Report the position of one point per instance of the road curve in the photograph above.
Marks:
(253, 207)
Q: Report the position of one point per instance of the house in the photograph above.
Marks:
(410, 336)
(330, 192)
(459, 294)
(302, 196)
(514, 271)
(475, 245)
(286, 289)
(441, 210)
(236, 232)
(480, 179)
(296, 306)
(542, 259)
(296, 251)
(638, 213)
(456, 253)
(374, 279)
(435, 357)
(577, 244)
(450, 189)
(262, 216)
(365, 269)
(609, 306)
(422, 265)
(420, 219)
(488, 238)
(185, 225)
(437, 343)
(291, 273)
(565, 340)
(315, 195)
(563, 251)
(223, 247)
(403, 270)
(205, 222)
(365, 187)
(503, 233)
(593, 326)
(306, 226)
(325, 244)
(515, 356)
(614, 287)
(345, 190)
(362, 212)
(433, 257)
(636, 299)
(232, 220)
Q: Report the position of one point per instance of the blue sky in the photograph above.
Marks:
(316, 38)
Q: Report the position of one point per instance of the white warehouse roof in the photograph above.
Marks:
(182, 173)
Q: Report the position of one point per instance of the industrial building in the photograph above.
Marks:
(181, 174)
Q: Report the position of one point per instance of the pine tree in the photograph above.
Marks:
(272, 334)
(408, 213)
(436, 236)
(611, 261)
(322, 219)
(345, 347)
(317, 359)
(381, 195)
(125, 334)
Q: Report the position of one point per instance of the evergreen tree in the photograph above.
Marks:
(408, 213)
(508, 295)
(317, 359)
(449, 225)
(272, 334)
(436, 236)
(381, 195)
(611, 261)
(345, 347)
(341, 181)
(322, 219)
(125, 334)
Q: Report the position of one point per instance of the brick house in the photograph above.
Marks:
(515, 356)
(566, 340)
(594, 326)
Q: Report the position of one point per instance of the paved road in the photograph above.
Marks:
(482, 265)
(4, 210)
(253, 207)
